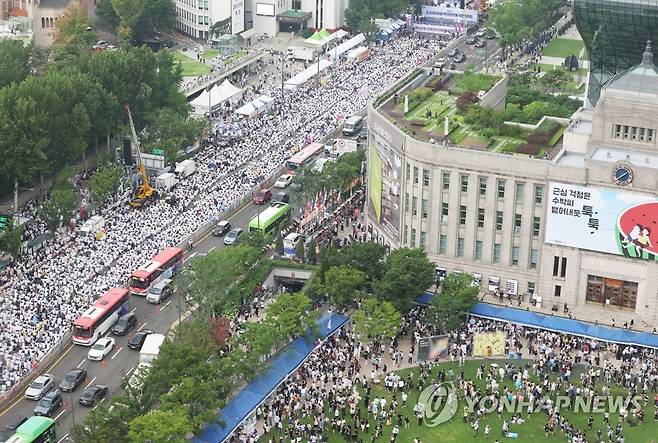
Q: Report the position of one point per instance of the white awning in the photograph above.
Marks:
(247, 34)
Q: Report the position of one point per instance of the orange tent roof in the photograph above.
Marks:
(17, 12)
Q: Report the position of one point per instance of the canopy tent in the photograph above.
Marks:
(265, 383)
(335, 53)
(216, 96)
(321, 38)
(341, 33)
(564, 325)
(306, 74)
(257, 106)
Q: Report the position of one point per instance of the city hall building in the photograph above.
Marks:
(580, 228)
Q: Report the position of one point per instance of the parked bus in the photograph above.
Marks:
(143, 277)
(271, 218)
(304, 156)
(35, 430)
(98, 319)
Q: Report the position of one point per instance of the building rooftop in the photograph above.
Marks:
(641, 79)
(613, 155)
(53, 3)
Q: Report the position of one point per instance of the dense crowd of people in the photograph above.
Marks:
(48, 288)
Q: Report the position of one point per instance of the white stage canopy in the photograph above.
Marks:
(216, 96)
(257, 106)
(355, 41)
(306, 74)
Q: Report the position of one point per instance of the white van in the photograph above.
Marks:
(160, 291)
(353, 125)
(166, 181)
(185, 168)
(93, 225)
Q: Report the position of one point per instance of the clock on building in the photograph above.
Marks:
(622, 175)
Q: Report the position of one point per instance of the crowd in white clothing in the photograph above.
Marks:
(42, 294)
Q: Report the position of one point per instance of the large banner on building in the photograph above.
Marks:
(237, 16)
(444, 14)
(604, 220)
(385, 176)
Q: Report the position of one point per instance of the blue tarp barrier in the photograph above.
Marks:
(565, 325)
(252, 395)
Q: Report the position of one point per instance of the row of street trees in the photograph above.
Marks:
(359, 14)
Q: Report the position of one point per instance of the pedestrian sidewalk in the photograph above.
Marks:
(557, 61)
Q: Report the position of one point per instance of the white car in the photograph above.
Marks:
(39, 387)
(283, 181)
(101, 348)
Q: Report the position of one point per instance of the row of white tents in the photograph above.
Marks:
(218, 94)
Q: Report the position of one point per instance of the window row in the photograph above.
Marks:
(633, 133)
(533, 258)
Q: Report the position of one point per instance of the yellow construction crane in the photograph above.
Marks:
(145, 192)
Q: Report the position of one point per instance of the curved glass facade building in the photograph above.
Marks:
(615, 33)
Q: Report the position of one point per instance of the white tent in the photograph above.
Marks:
(306, 74)
(257, 106)
(216, 96)
(340, 34)
(346, 46)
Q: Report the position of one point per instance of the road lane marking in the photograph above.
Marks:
(133, 310)
(129, 371)
(63, 438)
(97, 404)
(89, 384)
(189, 257)
(60, 414)
(142, 327)
(115, 354)
(212, 249)
(165, 305)
(82, 362)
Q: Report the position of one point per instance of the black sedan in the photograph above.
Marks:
(49, 404)
(73, 379)
(138, 338)
(11, 427)
(93, 394)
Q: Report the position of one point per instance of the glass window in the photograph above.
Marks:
(517, 223)
(413, 237)
(462, 215)
(650, 133)
(531, 287)
(558, 290)
(478, 249)
(499, 220)
(480, 217)
(406, 232)
(536, 224)
(443, 242)
(445, 177)
(518, 193)
(539, 194)
(423, 208)
(515, 255)
(633, 133)
(444, 212)
(408, 171)
(464, 183)
(415, 175)
(406, 202)
(423, 238)
(501, 188)
(483, 185)
(496, 255)
(426, 177)
(460, 247)
(534, 258)
(414, 205)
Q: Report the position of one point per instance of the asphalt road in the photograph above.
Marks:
(122, 361)
(479, 58)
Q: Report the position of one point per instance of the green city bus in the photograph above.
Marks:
(268, 220)
(35, 430)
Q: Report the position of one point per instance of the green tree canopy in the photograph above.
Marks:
(289, 315)
(72, 34)
(409, 274)
(342, 283)
(169, 426)
(172, 132)
(10, 238)
(450, 308)
(376, 320)
(15, 62)
(138, 21)
(368, 257)
(105, 182)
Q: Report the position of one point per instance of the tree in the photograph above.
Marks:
(194, 395)
(311, 253)
(299, 250)
(326, 261)
(278, 246)
(465, 100)
(342, 284)
(221, 27)
(11, 238)
(254, 239)
(15, 62)
(73, 32)
(63, 200)
(555, 80)
(376, 320)
(172, 132)
(289, 315)
(449, 309)
(148, 18)
(340, 174)
(368, 257)
(106, 17)
(160, 426)
(129, 13)
(105, 182)
(409, 274)
(106, 424)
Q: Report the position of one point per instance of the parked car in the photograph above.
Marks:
(453, 52)
(440, 63)
(101, 348)
(471, 40)
(73, 379)
(233, 237)
(460, 58)
(221, 228)
(452, 66)
(481, 43)
(125, 324)
(39, 387)
(262, 196)
(49, 404)
(160, 291)
(10, 428)
(481, 33)
(281, 197)
(283, 181)
(93, 394)
(137, 340)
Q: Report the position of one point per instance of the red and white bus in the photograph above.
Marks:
(304, 156)
(143, 277)
(98, 319)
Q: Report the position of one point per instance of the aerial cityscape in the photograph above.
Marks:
(404, 221)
